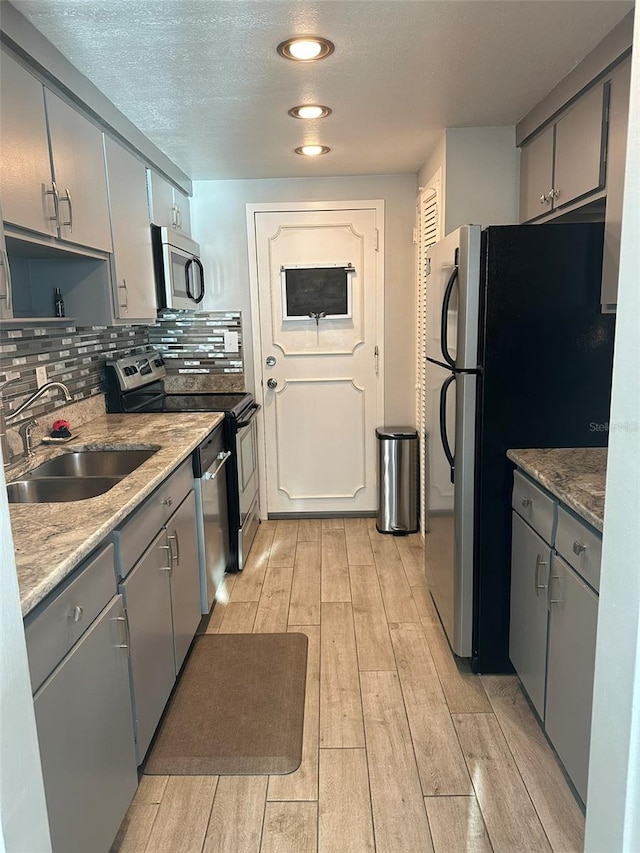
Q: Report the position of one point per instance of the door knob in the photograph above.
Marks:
(272, 383)
(270, 361)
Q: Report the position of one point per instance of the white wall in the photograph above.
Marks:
(23, 816)
(219, 225)
(613, 801)
(480, 175)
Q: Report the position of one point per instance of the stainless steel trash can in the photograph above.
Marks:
(398, 487)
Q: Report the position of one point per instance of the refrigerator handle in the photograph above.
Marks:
(444, 345)
(443, 422)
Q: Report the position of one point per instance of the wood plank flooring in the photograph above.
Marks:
(404, 748)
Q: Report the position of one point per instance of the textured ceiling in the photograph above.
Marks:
(202, 79)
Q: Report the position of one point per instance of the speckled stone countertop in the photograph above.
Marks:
(51, 539)
(576, 476)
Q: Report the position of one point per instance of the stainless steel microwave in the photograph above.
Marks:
(179, 271)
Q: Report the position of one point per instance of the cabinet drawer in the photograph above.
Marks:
(581, 547)
(534, 505)
(139, 529)
(58, 623)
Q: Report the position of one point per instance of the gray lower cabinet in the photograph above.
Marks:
(83, 716)
(572, 650)
(147, 596)
(530, 561)
(185, 578)
(162, 598)
(554, 613)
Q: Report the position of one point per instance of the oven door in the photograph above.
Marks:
(248, 484)
(183, 278)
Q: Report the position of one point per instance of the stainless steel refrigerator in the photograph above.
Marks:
(518, 355)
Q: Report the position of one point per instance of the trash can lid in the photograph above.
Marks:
(396, 432)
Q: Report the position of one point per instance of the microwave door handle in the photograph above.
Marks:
(198, 263)
(444, 325)
(443, 423)
(187, 280)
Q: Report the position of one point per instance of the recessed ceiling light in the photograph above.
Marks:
(305, 48)
(312, 150)
(309, 111)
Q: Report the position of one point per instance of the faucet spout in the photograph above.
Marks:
(5, 420)
(48, 386)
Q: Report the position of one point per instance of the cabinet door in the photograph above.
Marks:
(6, 305)
(616, 157)
(579, 161)
(78, 168)
(530, 560)
(25, 176)
(161, 210)
(85, 733)
(185, 578)
(536, 176)
(572, 649)
(135, 293)
(183, 212)
(147, 598)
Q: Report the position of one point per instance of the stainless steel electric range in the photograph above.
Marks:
(135, 384)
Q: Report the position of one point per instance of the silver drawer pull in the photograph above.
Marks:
(166, 502)
(76, 613)
(527, 502)
(579, 548)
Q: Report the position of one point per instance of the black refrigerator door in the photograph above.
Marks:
(546, 355)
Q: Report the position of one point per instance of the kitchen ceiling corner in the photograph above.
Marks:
(203, 81)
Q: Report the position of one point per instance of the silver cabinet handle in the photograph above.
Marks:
(67, 198)
(56, 202)
(551, 600)
(544, 199)
(166, 502)
(527, 502)
(272, 383)
(123, 286)
(127, 635)
(173, 537)
(539, 563)
(76, 613)
(553, 194)
(579, 548)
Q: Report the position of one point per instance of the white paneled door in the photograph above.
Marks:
(321, 375)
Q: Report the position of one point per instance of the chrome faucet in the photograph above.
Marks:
(8, 419)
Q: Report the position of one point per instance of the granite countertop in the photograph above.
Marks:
(51, 539)
(576, 476)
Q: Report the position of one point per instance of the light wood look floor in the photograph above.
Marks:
(405, 750)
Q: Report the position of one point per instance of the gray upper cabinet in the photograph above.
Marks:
(168, 207)
(566, 161)
(78, 166)
(536, 176)
(53, 180)
(25, 178)
(134, 294)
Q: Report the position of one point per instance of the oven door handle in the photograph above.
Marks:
(255, 408)
(211, 475)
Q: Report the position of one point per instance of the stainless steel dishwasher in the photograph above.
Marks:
(210, 470)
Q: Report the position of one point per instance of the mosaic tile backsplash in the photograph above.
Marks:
(193, 346)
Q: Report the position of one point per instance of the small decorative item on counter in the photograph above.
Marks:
(60, 429)
(58, 303)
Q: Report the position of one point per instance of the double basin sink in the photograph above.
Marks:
(76, 476)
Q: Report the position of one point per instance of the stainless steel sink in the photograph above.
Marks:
(92, 463)
(59, 489)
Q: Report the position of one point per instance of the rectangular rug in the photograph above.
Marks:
(238, 708)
